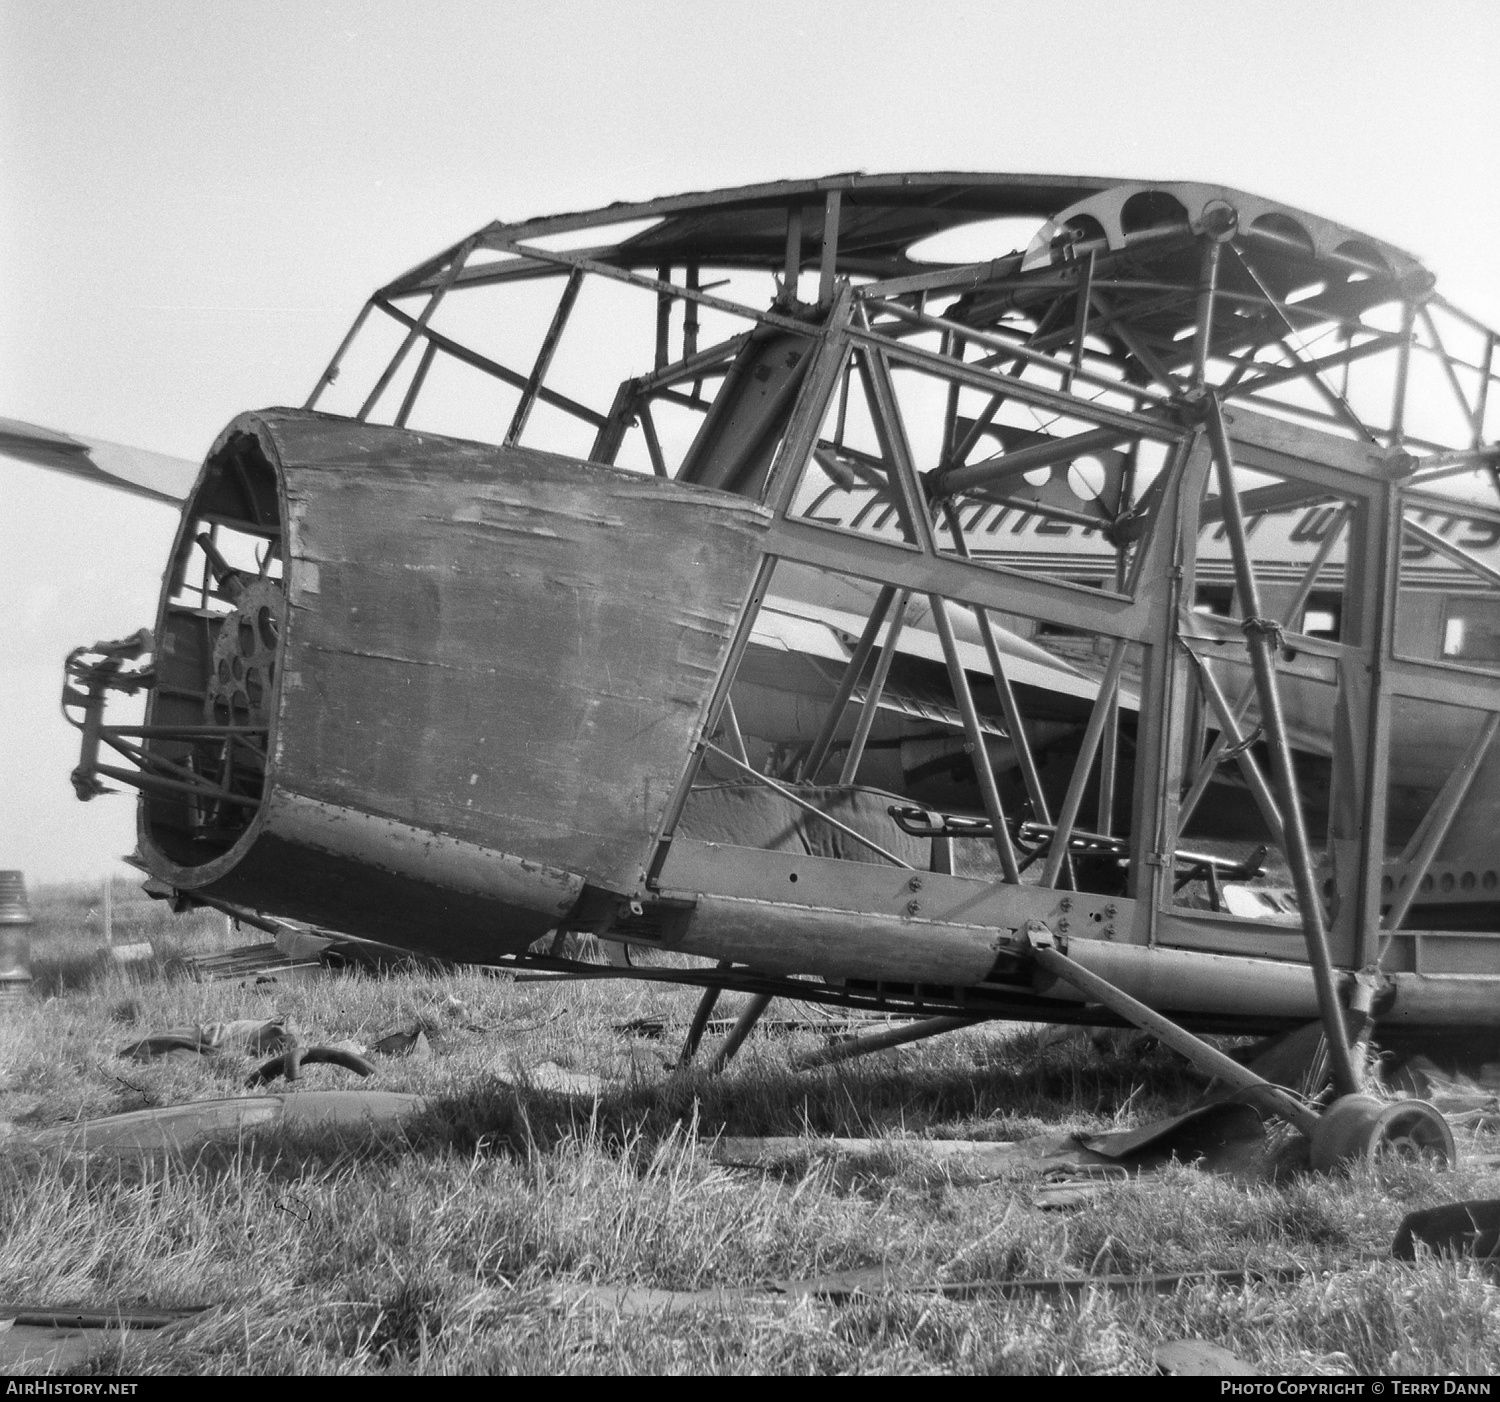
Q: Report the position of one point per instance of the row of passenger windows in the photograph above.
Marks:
(1470, 622)
(1321, 617)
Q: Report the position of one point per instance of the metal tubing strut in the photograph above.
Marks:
(1339, 403)
(699, 1025)
(1442, 354)
(1208, 1059)
(828, 262)
(852, 673)
(1260, 639)
(737, 646)
(1482, 398)
(1403, 369)
(1435, 826)
(733, 731)
(873, 692)
(758, 1003)
(694, 366)
(908, 496)
(1446, 548)
(429, 354)
(1008, 704)
(1010, 350)
(1289, 618)
(1109, 754)
(650, 284)
(653, 443)
(893, 441)
(954, 481)
(1230, 735)
(543, 357)
(1081, 320)
(503, 373)
(955, 347)
(974, 735)
(851, 1047)
(663, 314)
(1208, 284)
(416, 328)
(1093, 732)
(330, 374)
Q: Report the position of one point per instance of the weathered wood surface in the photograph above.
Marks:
(494, 665)
(502, 645)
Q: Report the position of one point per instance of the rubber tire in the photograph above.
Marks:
(1360, 1128)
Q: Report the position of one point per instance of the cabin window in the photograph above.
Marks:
(1323, 615)
(1216, 599)
(1471, 628)
(1061, 630)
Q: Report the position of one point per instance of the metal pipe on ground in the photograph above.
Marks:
(852, 1047)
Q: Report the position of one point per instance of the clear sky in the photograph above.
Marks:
(195, 198)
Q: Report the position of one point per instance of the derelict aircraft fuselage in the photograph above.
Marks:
(724, 575)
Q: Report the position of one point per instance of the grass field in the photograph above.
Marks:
(444, 1250)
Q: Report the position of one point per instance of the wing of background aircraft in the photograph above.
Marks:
(134, 470)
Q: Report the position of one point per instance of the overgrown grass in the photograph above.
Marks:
(443, 1250)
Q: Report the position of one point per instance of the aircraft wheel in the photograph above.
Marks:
(1360, 1128)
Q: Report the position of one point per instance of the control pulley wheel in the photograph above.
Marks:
(1360, 1128)
(244, 658)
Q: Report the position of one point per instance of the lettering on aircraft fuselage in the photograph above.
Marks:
(1289, 535)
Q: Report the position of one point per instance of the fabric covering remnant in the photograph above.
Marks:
(750, 815)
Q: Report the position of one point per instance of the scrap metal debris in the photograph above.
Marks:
(874, 1281)
(297, 953)
(1464, 1229)
(339, 951)
(1222, 1137)
(262, 963)
(410, 1040)
(1079, 1186)
(548, 1075)
(290, 1062)
(1469, 1098)
(247, 1036)
(176, 1128)
(656, 1027)
(52, 1338)
(1198, 1358)
(976, 1158)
